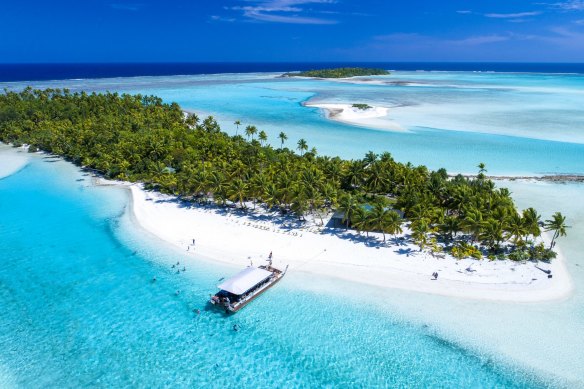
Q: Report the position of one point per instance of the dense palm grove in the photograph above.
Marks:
(339, 73)
(140, 138)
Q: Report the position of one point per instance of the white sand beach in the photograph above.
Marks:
(13, 161)
(373, 117)
(232, 236)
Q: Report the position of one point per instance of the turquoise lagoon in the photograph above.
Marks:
(318, 335)
(515, 123)
(80, 310)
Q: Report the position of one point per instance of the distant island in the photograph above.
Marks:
(362, 107)
(339, 73)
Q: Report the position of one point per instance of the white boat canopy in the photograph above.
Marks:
(244, 280)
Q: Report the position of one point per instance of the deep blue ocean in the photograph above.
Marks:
(56, 71)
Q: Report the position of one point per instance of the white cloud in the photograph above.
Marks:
(217, 18)
(475, 40)
(512, 15)
(480, 40)
(571, 5)
(283, 11)
(292, 19)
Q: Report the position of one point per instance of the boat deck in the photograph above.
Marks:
(233, 303)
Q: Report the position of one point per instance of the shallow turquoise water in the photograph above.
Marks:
(110, 326)
(515, 123)
(79, 309)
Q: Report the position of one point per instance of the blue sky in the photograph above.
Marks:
(291, 30)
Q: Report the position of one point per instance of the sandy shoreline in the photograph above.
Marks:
(373, 117)
(236, 238)
(12, 162)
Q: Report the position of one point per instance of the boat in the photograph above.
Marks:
(244, 287)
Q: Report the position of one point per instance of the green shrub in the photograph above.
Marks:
(519, 255)
(465, 250)
(541, 253)
(362, 107)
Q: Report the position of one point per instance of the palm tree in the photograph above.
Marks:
(360, 221)
(394, 223)
(370, 158)
(515, 228)
(492, 233)
(218, 185)
(349, 205)
(192, 119)
(285, 190)
(380, 218)
(355, 174)
(377, 218)
(302, 146)
(377, 179)
(482, 171)
(200, 183)
(557, 224)
(250, 131)
(237, 124)
(262, 137)
(283, 137)
(450, 227)
(482, 168)
(472, 223)
(299, 205)
(237, 191)
(257, 187)
(420, 230)
(531, 222)
(270, 195)
(329, 193)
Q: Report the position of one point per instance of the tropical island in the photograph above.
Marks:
(142, 139)
(362, 106)
(339, 73)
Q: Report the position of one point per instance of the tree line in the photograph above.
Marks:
(339, 73)
(142, 139)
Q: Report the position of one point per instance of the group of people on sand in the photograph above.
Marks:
(191, 245)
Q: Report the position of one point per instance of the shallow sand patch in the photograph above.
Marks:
(12, 160)
(373, 117)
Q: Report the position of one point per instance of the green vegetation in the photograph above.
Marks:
(140, 138)
(362, 107)
(339, 73)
